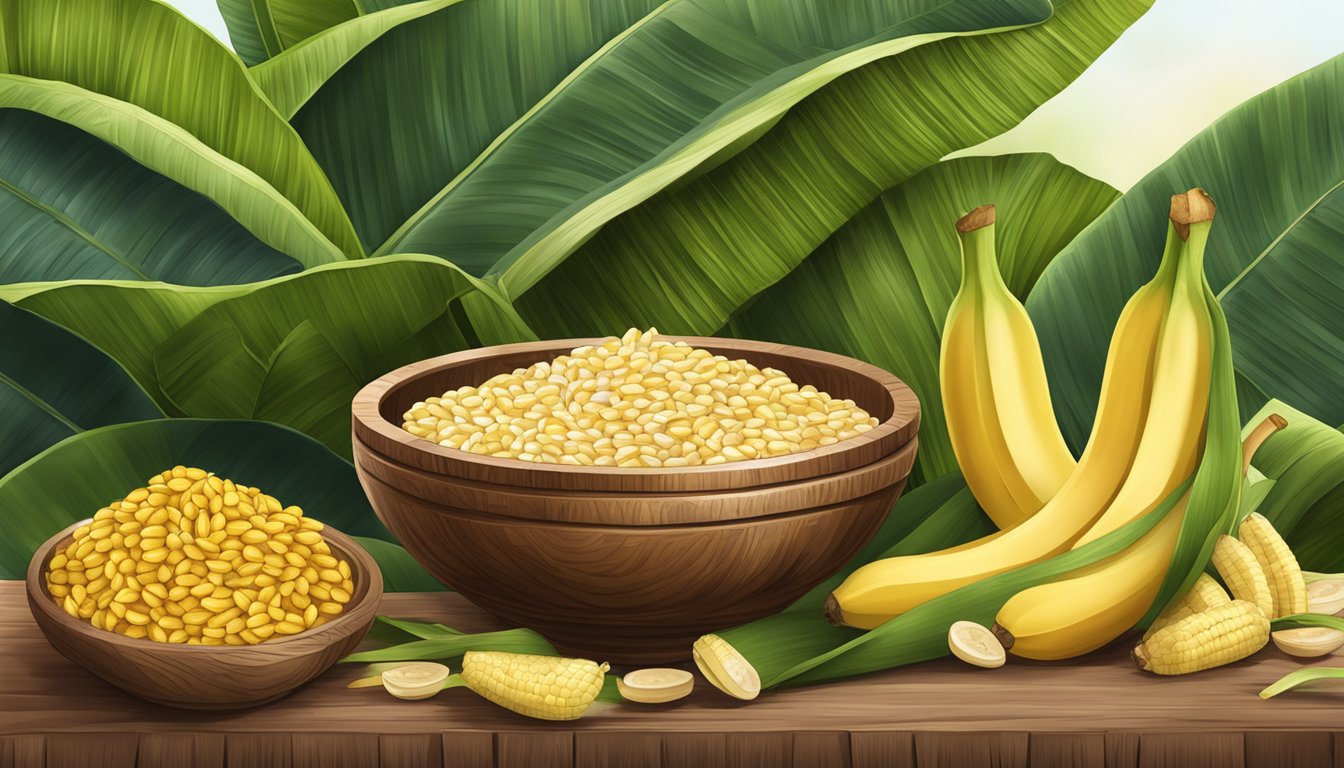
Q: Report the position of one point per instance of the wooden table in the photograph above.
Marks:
(1093, 712)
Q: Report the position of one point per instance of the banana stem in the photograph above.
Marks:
(979, 260)
(1272, 423)
(1192, 207)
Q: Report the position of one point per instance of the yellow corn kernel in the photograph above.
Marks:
(1242, 573)
(1204, 594)
(1284, 575)
(1221, 635)
(544, 687)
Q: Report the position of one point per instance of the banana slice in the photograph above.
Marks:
(415, 681)
(1326, 596)
(975, 645)
(655, 686)
(1308, 642)
(725, 668)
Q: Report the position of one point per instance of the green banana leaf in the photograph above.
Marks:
(54, 384)
(401, 573)
(74, 206)
(145, 53)
(880, 287)
(74, 478)
(633, 118)
(1305, 461)
(1275, 167)
(260, 29)
(169, 150)
(686, 258)
(412, 109)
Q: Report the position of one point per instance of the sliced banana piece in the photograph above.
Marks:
(416, 680)
(655, 686)
(725, 668)
(1308, 642)
(975, 644)
(1326, 596)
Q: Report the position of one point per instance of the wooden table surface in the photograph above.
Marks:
(1095, 711)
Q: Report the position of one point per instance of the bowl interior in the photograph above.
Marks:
(364, 571)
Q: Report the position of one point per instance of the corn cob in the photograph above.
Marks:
(725, 668)
(1242, 572)
(1204, 594)
(1221, 635)
(1282, 572)
(544, 687)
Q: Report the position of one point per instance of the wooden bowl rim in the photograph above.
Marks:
(349, 549)
(367, 412)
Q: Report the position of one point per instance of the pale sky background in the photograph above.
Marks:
(1171, 74)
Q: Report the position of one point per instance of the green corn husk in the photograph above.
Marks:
(800, 647)
(1301, 677)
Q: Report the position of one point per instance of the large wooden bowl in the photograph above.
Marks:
(203, 676)
(632, 565)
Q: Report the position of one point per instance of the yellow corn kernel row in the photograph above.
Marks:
(1204, 594)
(1284, 575)
(194, 558)
(544, 687)
(1221, 635)
(637, 402)
(1242, 573)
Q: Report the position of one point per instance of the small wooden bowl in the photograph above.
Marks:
(208, 677)
(632, 565)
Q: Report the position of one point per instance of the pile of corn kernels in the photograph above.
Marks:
(637, 401)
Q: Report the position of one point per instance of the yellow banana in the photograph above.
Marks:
(995, 396)
(886, 588)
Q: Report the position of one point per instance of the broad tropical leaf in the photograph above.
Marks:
(170, 151)
(260, 29)
(74, 478)
(74, 206)
(1275, 167)
(1305, 461)
(401, 573)
(686, 258)
(416, 106)
(145, 53)
(685, 86)
(880, 287)
(54, 384)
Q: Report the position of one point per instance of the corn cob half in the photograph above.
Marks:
(1204, 594)
(1241, 570)
(1221, 635)
(1284, 575)
(544, 687)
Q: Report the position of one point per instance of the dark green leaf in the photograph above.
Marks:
(401, 573)
(260, 29)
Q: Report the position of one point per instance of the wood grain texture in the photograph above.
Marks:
(334, 750)
(172, 750)
(631, 595)
(926, 714)
(411, 750)
(378, 409)
(1066, 750)
(208, 677)
(78, 750)
(534, 749)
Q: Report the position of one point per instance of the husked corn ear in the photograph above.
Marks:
(1284, 575)
(1242, 572)
(637, 401)
(544, 687)
(1204, 594)
(1221, 635)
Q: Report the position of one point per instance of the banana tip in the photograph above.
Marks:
(833, 613)
(1191, 207)
(1004, 637)
(977, 219)
(1140, 656)
(1278, 421)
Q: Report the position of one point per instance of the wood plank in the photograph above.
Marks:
(1067, 750)
(410, 750)
(1192, 750)
(23, 751)
(258, 750)
(1288, 750)
(757, 750)
(335, 750)
(534, 749)
(468, 749)
(91, 750)
(955, 750)
(822, 749)
(882, 749)
(174, 750)
(696, 750)
(617, 750)
(1122, 749)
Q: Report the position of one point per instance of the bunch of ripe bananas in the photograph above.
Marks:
(1146, 441)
